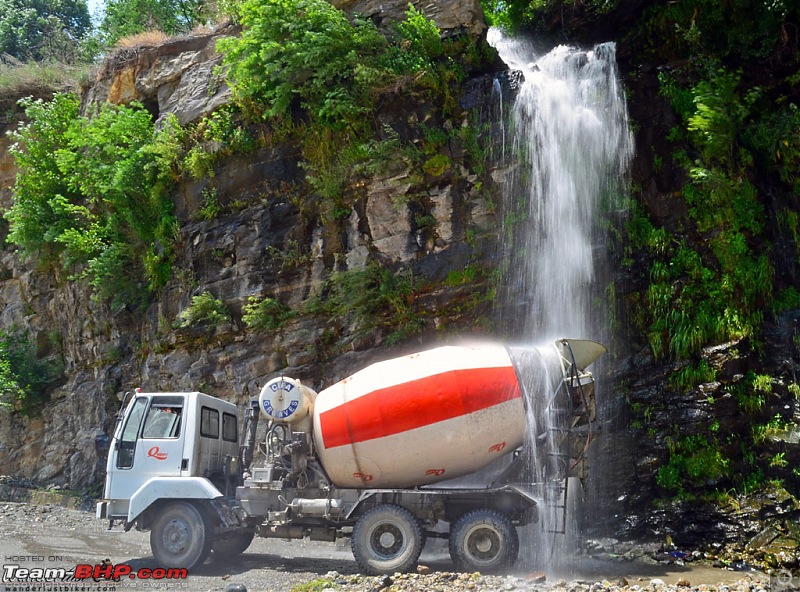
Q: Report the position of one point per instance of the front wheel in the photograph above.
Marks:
(181, 535)
(483, 540)
(386, 539)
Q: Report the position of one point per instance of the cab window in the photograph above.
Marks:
(163, 418)
(229, 431)
(209, 422)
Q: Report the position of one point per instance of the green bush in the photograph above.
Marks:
(265, 314)
(24, 377)
(94, 195)
(301, 50)
(372, 298)
(308, 54)
(436, 165)
(717, 117)
(694, 461)
(720, 289)
(421, 34)
(204, 311)
(217, 135)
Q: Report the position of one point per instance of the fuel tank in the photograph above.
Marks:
(421, 418)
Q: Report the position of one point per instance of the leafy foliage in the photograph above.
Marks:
(216, 135)
(204, 311)
(265, 314)
(703, 296)
(94, 195)
(42, 30)
(306, 55)
(306, 66)
(301, 50)
(693, 461)
(372, 298)
(124, 18)
(24, 377)
(739, 31)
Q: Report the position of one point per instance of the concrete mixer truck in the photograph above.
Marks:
(433, 444)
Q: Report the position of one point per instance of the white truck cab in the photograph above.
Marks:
(186, 436)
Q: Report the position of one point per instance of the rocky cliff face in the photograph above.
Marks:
(265, 241)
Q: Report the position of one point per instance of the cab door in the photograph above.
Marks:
(159, 449)
(149, 444)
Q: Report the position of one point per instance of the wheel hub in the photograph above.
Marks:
(176, 536)
(387, 539)
(483, 544)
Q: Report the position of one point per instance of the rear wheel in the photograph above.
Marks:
(386, 539)
(483, 540)
(181, 535)
(232, 544)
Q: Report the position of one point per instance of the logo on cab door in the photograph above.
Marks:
(155, 452)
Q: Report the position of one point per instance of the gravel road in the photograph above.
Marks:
(41, 536)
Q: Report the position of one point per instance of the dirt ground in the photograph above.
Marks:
(40, 536)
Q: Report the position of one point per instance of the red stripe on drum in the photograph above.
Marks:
(417, 403)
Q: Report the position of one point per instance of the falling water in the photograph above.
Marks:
(569, 151)
(572, 146)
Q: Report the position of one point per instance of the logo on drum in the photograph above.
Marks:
(434, 472)
(270, 410)
(362, 476)
(497, 447)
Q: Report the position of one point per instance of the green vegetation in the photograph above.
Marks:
(372, 298)
(24, 377)
(93, 195)
(691, 376)
(124, 18)
(216, 136)
(719, 293)
(317, 585)
(775, 426)
(693, 461)
(268, 65)
(265, 314)
(205, 311)
(315, 74)
(43, 30)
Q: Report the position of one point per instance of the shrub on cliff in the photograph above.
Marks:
(94, 195)
(308, 54)
(24, 377)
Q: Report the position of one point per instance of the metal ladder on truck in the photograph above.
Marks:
(574, 423)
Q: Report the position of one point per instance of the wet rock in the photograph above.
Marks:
(763, 538)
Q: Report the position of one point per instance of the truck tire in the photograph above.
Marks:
(181, 535)
(386, 539)
(483, 540)
(232, 544)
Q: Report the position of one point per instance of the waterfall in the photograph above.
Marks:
(569, 150)
(572, 146)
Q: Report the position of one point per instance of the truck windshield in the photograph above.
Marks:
(164, 418)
